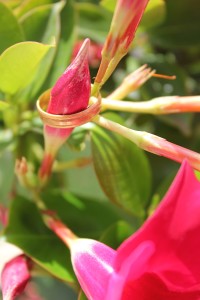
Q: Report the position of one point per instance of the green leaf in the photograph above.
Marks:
(65, 44)
(154, 14)
(46, 17)
(27, 231)
(19, 64)
(3, 105)
(122, 169)
(109, 4)
(10, 30)
(28, 5)
(90, 14)
(7, 166)
(40, 24)
(116, 234)
(181, 27)
(87, 218)
(82, 296)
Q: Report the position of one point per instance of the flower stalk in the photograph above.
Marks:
(152, 143)
(156, 106)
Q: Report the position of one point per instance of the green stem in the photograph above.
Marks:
(76, 163)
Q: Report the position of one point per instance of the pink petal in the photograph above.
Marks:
(14, 277)
(92, 263)
(150, 287)
(174, 269)
(133, 267)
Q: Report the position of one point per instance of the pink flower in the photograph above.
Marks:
(69, 95)
(160, 261)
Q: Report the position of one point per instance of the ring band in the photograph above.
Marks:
(67, 121)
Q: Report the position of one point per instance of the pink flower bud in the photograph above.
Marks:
(127, 16)
(69, 95)
(162, 147)
(14, 277)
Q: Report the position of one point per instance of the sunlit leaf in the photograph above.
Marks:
(19, 64)
(3, 105)
(109, 4)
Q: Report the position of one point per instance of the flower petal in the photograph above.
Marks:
(174, 229)
(92, 263)
(134, 266)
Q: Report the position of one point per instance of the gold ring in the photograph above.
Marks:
(67, 121)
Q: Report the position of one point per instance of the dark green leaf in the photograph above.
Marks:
(10, 30)
(27, 231)
(154, 14)
(181, 27)
(87, 218)
(46, 17)
(7, 166)
(94, 21)
(65, 44)
(122, 169)
(115, 235)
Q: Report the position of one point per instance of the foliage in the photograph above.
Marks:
(108, 185)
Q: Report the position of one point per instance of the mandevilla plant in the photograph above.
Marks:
(79, 102)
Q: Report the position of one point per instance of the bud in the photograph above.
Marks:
(69, 95)
(14, 277)
(132, 82)
(127, 16)
(162, 147)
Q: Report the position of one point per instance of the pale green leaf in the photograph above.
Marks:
(19, 64)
